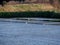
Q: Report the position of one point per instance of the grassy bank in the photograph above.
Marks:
(26, 7)
(44, 14)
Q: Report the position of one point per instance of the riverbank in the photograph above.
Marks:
(29, 14)
(26, 7)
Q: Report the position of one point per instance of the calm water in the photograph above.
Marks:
(14, 33)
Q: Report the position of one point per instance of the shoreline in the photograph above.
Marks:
(40, 21)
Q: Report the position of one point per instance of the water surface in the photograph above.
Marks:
(16, 33)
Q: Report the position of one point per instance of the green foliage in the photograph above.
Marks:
(44, 14)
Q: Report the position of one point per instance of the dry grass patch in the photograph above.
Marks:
(26, 7)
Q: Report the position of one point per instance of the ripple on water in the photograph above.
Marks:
(28, 34)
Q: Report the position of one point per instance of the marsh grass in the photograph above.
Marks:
(26, 7)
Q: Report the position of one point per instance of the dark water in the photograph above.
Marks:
(28, 34)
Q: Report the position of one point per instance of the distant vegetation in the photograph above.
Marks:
(55, 3)
(44, 14)
(26, 7)
(30, 10)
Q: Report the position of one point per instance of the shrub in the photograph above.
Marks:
(44, 14)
